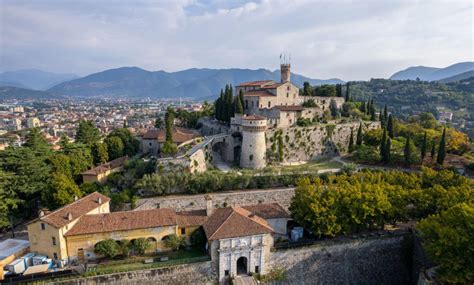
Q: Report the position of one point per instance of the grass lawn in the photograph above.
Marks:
(137, 263)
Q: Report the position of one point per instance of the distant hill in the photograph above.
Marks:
(191, 83)
(15, 93)
(432, 73)
(459, 77)
(33, 79)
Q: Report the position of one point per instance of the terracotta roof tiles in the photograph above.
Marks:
(255, 83)
(180, 135)
(268, 211)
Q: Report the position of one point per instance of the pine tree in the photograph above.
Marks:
(348, 92)
(359, 135)
(390, 126)
(382, 145)
(351, 142)
(423, 148)
(433, 150)
(407, 151)
(388, 147)
(442, 149)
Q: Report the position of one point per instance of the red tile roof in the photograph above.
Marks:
(268, 211)
(255, 83)
(191, 218)
(116, 163)
(234, 222)
(272, 86)
(123, 221)
(180, 135)
(59, 217)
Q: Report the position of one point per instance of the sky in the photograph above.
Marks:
(350, 40)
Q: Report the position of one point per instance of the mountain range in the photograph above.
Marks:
(434, 74)
(204, 83)
(191, 83)
(33, 79)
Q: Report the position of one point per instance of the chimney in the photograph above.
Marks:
(285, 69)
(41, 213)
(99, 200)
(209, 207)
(69, 216)
(76, 198)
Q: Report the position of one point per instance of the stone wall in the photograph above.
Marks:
(193, 273)
(382, 260)
(241, 197)
(313, 142)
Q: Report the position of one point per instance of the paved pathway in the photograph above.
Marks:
(244, 280)
(219, 163)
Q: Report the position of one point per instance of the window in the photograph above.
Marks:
(246, 104)
(43, 226)
(150, 143)
(288, 88)
(257, 269)
(252, 104)
(226, 272)
(183, 231)
(53, 239)
(287, 94)
(55, 255)
(269, 104)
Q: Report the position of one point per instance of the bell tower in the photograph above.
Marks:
(285, 68)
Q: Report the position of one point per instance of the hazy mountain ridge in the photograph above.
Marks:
(190, 83)
(16, 93)
(432, 73)
(33, 79)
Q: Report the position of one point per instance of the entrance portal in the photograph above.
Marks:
(242, 266)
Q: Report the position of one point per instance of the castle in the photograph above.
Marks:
(271, 113)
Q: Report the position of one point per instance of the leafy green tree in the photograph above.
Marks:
(448, 238)
(130, 144)
(80, 159)
(100, 153)
(427, 120)
(407, 152)
(9, 200)
(36, 140)
(159, 123)
(175, 242)
(359, 135)
(442, 149)
(63, 190)
(351, 142)
(114, 147)
(198, 238)
(64, 142)
(307, 90)
(108, 248)
(141, 245)
(125, 246)
(423, 147)
(87, 133)
(390, 126)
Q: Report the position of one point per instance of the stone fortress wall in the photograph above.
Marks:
(312, 142)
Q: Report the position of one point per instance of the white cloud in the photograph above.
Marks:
(346, 39)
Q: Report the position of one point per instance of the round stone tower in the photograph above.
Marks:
(253, 142)
(285, 69)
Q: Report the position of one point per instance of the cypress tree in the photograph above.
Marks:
(239, 109)
(368, 109)
(390, 126)
(442, 149)
(407, 151)
(372, 112)
(433, 150)
(381, 119)
(388, 147)
(339, 90)
(351, 142)
(241, 97)
(359, 135)
(382, 145)
(363, 108)
(423, 148)
(385, 113)
(347, 92)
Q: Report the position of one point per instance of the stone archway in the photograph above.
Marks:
(242, 266)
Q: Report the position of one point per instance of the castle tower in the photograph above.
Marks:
(285, 69)
(253, 142)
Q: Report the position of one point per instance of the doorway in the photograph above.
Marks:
(242, 266)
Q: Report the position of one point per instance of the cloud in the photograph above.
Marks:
(345, 39)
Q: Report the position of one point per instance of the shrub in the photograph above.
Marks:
(175, 242)
(108, 248)
(198, 238)
(141, 245)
